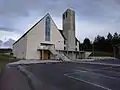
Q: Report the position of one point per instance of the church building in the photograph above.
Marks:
(45, 41)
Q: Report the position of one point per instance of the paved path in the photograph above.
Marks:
(33, 62)
(61, 76)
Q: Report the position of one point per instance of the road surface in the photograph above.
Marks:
(60, 76)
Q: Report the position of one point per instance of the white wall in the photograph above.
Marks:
(34, 38)
(77, 46)
(87, 54)
(56, 37)
(37, 36)
(19, 48)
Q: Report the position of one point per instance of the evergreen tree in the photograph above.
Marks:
(109, 36)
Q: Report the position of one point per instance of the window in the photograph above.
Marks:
(47, 28)
(66, 14)
(76, 49)
(64, 42)
(64, 48)
(63, 16)
(76, 42)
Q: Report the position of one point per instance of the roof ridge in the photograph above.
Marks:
(32, 27)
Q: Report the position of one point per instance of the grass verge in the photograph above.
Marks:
(5, 58)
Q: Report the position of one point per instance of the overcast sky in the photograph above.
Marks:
(93, 17)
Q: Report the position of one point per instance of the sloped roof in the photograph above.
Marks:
(61, 31)
(31, 28)
(77, 40)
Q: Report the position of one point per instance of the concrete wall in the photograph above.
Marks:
(87, 54)
(77, 46)
(69, 29)
(34, 37)
(37, 36)
(19, 48)
(56, 37)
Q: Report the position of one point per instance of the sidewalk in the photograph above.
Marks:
(97, 63)
(33, 61)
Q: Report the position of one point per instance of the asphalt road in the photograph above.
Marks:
(110, 61)
(60, 76)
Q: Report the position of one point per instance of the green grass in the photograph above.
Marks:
(101, 53)
(4, 59)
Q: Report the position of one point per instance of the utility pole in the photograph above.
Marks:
(93, 49)
(67, 48)
(114, 51)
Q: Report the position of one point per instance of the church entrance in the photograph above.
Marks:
(45, 54)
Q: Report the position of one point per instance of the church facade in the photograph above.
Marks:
(44, 40)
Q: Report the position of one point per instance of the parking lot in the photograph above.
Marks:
(64, 76)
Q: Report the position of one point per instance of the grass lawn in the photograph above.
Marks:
(4, 59)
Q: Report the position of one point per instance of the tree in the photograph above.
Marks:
(116, 39)
(97, 38)
(99, 43)
(115, 36)
(86, 41)
(86, 44)
(109, 36)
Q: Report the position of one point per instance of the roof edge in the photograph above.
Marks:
(30, 29)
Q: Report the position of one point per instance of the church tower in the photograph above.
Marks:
(69, 29)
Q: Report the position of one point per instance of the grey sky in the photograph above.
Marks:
(92, 16)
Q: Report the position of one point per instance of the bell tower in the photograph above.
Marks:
(69, 29)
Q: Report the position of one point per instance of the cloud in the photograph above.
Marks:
(6, 29)
(99, 16)
(1, 43)
(5, 35)
(7, 44)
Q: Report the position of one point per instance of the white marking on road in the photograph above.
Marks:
(96, 63)
(90, 71)
(94, 84)
(94, 69)
(102, 69)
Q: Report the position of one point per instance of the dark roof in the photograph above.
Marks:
(61, 31)
(31, 28)
(77, 40)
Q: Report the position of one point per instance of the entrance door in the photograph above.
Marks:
(45, 55)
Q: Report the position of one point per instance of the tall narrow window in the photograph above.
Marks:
(47, 28)
(66, 14)
(63, 16)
